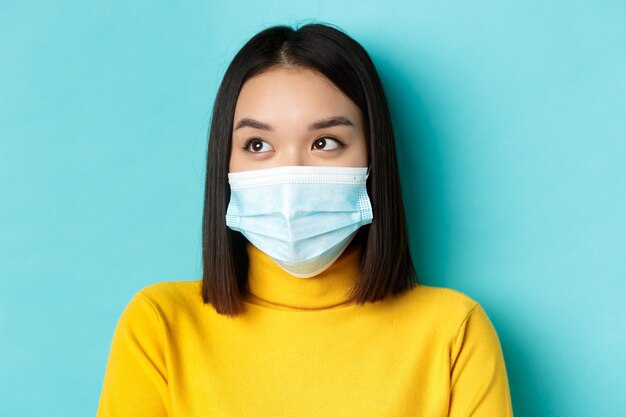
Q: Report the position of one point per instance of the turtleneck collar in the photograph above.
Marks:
(272, 286)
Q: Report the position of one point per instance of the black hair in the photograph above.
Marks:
(386, 265)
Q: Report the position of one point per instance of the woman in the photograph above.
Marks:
(309, 304)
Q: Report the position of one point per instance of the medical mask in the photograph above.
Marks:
(303, 217)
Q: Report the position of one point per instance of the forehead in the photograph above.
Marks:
(296, 92)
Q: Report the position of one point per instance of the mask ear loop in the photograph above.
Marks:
(367, 174)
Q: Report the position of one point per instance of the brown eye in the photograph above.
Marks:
(256, 145)
(326, 144)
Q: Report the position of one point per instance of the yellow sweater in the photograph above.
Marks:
(302, 349)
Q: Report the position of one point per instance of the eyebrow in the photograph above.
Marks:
(320, 124)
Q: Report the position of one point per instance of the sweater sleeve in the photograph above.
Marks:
(479, 383)
(135, 380)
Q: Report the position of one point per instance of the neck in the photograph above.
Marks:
(270, 285)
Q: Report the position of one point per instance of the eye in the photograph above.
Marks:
(256, 145)
(327, 144)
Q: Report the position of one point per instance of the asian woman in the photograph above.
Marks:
(309, 304)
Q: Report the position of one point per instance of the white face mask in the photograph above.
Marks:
(303, 217)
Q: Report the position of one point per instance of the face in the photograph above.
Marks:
(295, 116)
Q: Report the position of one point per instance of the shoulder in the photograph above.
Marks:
(171, 291)
(166, 300)
(439, 310)
(171, 295)
(449, 313)
(440, 301)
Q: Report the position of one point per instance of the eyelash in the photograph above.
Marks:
(246, 146)
(340, 144)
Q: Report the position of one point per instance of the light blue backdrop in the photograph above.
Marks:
(511, 123)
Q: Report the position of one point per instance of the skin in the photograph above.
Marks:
(286, 102)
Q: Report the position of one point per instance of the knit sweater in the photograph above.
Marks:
(302, 348)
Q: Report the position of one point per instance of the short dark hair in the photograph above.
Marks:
(386, 265)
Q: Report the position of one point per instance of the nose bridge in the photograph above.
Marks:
(293, 154)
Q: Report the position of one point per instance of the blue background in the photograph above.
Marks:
(511, 131)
